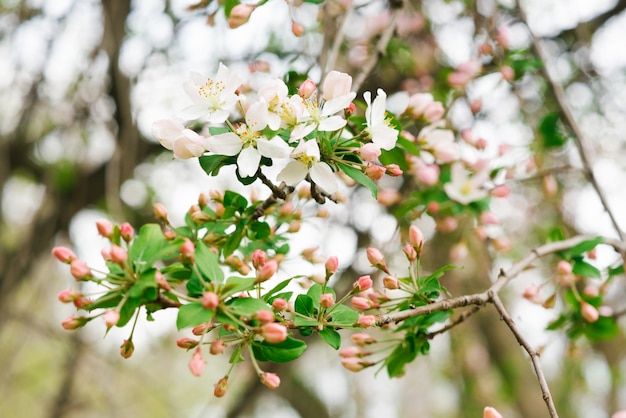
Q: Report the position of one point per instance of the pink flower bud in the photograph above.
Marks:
(188, 249)
(354, 364)
(375, 257)
(68, 296)
(605, 311)
(118, 255)
(550, 185)
(502, 244)
(432, 207)
(490, 412)
(79, 270)
(366, 321)
(350, 352)
(105, 228)
(186, 343)
(210, 300)
(126, 231)
(159, 211)
(592, 254)
(393, 170)
(217, 347)
(196, 363)
(501, 191)
(106, 254)
(589, 312)
(266, 271)
(327, 300)
(63, 254)
(458, 252)
(220, 387)
(447, 224)
(391, 282)
(619, 414)
(349, 111)
(279, 304)
(264, 316)
(375, 172)
(476, 105)
(410, 252)
(428, 174)
(591, 291)
(74, 322)
(239, 15)
(360, 303)
(274, 333)
(271, 380)
(416, 237)
(434, 111)
(331, 266)
(127, 348)
(307, 88)
(362, 339)
(259, 258)
(507, 73)
(200, 329)
(489, 218)
(531, 293)
(369, 152)
(111, 317)
(564, 267)
(297, 29)
(162, 281)
(83, 303)
(364, 282)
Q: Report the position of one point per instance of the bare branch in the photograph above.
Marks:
(534, 355)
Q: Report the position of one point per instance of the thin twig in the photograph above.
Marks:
(581, 141)
(534, 355)
(459, 320)
(381, 50)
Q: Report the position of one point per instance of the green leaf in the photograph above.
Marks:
(150, 246)
(582, 248)
(404, 353)
(127, 311)
(218, 130)
(233, 241)
(108, 300)
(145, 289)
(360, 178)
(195, 287)
(237, 284)
(408, 146)
(315, 293)
(343, 316)
(581, 268)
(208, 263)
(247, 307)
(280, 286)
(192, 314)
(300, 321)
(550, 133)
(604, 328)
(331, 337)
(259, 230)
(288, 350)
(394, 156)
(304, 305)
(211, 164)
(235, 200)
(557, 323)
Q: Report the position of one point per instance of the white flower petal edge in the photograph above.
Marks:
(324, 177)
(381, 133)
(293, 173)
(227, 143)
(273, 148)
(248, 162)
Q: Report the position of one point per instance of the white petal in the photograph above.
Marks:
(166, 131)
(398, 102)
(225, 144)
(293, 173)
(378, 108)
(333, 123)
(300, 131)
(256, 116)
(185, 148)
(384, 136)
(312, 149)
(273, 148)
(219, 115)
(323, 176)
(248, 161)
(336, 84)
(338, 103)
(273, 121)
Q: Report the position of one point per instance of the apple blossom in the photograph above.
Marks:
(378, 128)
(185, 143)
(307, 161)
(463, 188)
(212, 99)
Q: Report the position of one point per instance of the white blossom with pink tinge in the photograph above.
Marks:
(185, 143)
(307, 161)
(464, 188)
(378, 127)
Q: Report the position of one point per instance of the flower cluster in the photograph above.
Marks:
(305, 129)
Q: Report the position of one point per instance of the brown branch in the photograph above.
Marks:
(459, 320)
(534, 355)
(580, 140)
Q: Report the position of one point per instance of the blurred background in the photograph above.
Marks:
(81, 83)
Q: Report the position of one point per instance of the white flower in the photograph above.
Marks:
(184, 142)
(213, 99)
(321, 115)
(441, 143)
(463, 188)
(275, 95)
(249, 142)
(378, 127)
(307, 161)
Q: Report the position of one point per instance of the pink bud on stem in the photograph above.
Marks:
(271, 380)
(196, 363)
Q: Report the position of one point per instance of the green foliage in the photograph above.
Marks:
(550, 132)
(283, 352)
